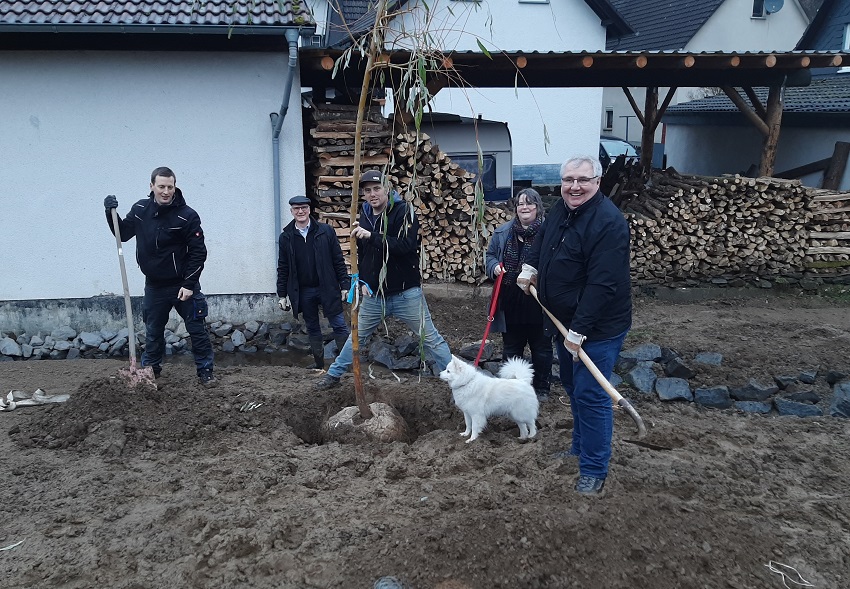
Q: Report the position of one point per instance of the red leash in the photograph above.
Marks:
(494, 300)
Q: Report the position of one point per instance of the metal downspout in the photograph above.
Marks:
(277, 123)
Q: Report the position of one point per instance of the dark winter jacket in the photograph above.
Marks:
(495, 256)
(395, 237)
(170, 246)
(582, 259)
(330, 266)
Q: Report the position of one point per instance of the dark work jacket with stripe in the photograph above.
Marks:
(582, 260)
(170, 246)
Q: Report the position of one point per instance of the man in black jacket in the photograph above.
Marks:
(171, 253)
(388, 259)
(311, 272)
(580, 263)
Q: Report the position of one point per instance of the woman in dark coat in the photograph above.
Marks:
(519, 317)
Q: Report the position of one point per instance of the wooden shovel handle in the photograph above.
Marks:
(589, 364)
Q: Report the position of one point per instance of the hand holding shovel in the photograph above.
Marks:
(134, 375)
(600, 378)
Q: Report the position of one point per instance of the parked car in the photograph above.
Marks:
(610, 147)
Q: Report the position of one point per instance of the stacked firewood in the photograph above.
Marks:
(441, 191)
(704, 228)
(828, 247)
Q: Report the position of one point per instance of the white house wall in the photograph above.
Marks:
(570, 115)
(80, 125)
(715, 150)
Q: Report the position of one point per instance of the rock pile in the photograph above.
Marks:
(656, 372)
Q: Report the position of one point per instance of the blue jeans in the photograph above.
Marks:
(593, 416)
(158, 303)
(310, 298)
(408, 306)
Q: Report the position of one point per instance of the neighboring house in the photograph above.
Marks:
(566, 115)
(710, 136)
(694, 26)
(95, 95)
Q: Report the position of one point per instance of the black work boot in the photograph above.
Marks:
(317, 347)
(340, 343)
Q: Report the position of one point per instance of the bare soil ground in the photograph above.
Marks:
(179, 488)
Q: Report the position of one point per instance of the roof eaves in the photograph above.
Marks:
(158, 29)
(612, 20)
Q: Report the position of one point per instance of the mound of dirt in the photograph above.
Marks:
(185, 486)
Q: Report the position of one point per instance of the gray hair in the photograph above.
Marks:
(576, 161)
(532, 197)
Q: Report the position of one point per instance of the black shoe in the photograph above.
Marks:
(590, 486)
(542, 395)
(328, 381)
(157, 371)
(207, 379)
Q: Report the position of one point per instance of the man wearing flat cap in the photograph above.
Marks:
(311, 273)
(388, 259)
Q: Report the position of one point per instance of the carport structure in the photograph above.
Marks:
(649, 69)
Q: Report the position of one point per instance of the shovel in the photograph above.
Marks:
(134, 375)
(600, 378)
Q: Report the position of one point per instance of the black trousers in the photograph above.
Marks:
(514, 340)
(158, 302)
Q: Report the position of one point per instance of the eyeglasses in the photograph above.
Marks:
(301, 208)
(526, 204)
(581, 181)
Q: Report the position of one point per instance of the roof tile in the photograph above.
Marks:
(249, 12)
(823, 95)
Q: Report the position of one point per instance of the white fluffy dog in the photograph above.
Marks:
(479, 395)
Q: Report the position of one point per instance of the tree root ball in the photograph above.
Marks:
(347, 427)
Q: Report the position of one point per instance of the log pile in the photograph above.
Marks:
(709, 229)
(828, 246)
(442, 192)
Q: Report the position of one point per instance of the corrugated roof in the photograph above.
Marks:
(187, 13)
(661, 24)
(824, 95)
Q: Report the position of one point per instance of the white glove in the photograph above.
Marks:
(576, 339)
(284, 304)
(527, 277)
(498, 270)
(344, 295)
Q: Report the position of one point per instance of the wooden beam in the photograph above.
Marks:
(804, 170)
(663, 109)
(757, 105)
(635, 108)
(837, 165)
(774, 123)
(647, 142)
(746, 110)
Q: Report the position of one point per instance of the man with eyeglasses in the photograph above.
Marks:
(390, 283)
(580, 265)
(311, 273)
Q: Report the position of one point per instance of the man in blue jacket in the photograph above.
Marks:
(311, 273)
(580, 263)
(388, 259)
(171, 253)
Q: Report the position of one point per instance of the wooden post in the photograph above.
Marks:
(647, 143)
(774, 122)
(837, 165)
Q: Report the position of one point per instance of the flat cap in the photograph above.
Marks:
(299, 200)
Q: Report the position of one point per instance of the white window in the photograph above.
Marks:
(846, 45)
(608, 121)
(758, 8)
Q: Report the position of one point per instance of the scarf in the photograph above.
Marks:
(514, 253)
